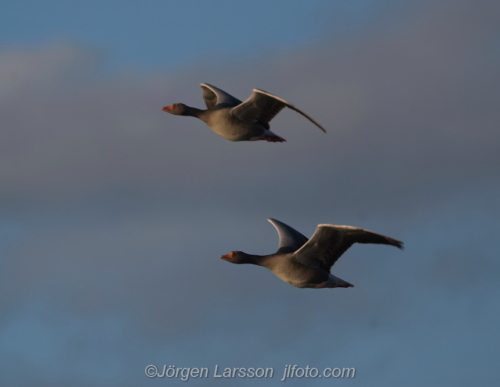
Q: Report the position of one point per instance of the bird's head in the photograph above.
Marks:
(179, 109)
(237, 257)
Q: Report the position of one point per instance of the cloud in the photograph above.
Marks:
(417, 107)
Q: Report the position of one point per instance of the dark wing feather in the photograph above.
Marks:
(214, 96)
(290, 239)
(262, 107)
(329, 242)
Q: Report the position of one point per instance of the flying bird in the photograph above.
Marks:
(306, 263)
(235, 120)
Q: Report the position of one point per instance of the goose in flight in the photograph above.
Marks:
(306, 263)
(235, 120)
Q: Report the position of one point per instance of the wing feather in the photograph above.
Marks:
(329, 242)
(214, 96)
(262, 107)
(290, 239)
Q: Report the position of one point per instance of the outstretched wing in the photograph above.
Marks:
(214, 96)
(262, 106)
(329, 242)
(290, 239)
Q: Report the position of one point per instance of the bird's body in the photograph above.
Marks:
(235, 120)
(288, 269)
(306, 263)
(231, 128)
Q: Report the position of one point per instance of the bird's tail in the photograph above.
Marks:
(336, 282)
(274, 138)
(344, 284)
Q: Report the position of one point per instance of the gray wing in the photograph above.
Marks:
(329, 242)
(214, 96)
(290, 239)
(262, 106)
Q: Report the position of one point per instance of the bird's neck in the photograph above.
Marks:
(260, 260)
(193, 112)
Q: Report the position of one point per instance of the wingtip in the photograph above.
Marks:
(275, 222)
(319, 126)
(394, 242)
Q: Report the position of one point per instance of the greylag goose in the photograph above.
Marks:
(306, 263)
(235, 120)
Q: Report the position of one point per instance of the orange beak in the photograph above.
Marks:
(168, 109)
(227, 257)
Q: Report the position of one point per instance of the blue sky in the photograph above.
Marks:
(152, 34)
(113, 214)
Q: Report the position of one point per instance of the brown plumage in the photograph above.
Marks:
(306, 263)
(235, 120)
